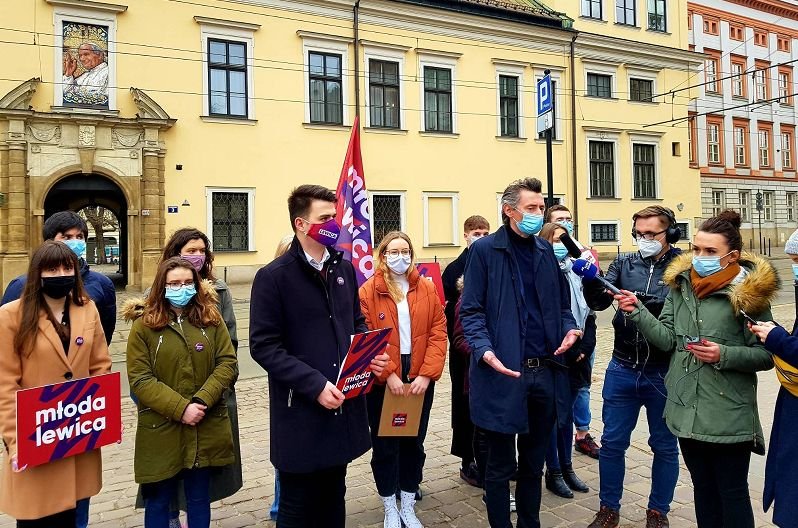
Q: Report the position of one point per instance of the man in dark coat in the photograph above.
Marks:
(71, 229)
(474, 228)
(304, 309)
(516, 316)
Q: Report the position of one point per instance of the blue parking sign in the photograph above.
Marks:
(544, 95)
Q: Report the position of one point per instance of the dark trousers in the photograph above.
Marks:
(720, 483)
(65, 519)
(501, 466)
(158, 496)
(462, 427)
(561, 444)
(397, 462)
(313, 500)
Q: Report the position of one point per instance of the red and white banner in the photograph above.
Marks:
(67, 419)
(432, 271)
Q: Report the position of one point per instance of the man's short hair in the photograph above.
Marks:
(61, 222)
(553, 209)
(475, 222)
(654, 210)
(302, 198)
(512, 194)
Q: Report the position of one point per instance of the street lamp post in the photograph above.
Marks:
(759, 207)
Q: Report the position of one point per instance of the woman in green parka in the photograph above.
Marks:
(180, 362)
(711, 380)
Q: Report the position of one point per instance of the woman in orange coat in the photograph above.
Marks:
(52, 334)
(398, 297)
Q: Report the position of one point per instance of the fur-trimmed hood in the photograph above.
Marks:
(133, 308)
(752, 291)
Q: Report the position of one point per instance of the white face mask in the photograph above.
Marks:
(398, 264)
(473, 238)
(649, 248)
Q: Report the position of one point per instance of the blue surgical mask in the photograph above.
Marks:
(560, 251)
(795, 271)
(181, 297)
(77, 245)
(568, 225)
(706, 266)
(530, 224)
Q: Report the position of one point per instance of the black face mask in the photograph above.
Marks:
(58, 287)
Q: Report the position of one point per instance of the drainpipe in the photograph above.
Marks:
(574, 172)
(356, 13)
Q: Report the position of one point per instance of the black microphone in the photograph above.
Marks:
(589, 271)
(570, 245)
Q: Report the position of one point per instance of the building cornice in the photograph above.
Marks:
(601, 48)
(746, 20)
(208, 21)
(89, 4)
(774, 7)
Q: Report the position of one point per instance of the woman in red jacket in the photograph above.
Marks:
(398, 297)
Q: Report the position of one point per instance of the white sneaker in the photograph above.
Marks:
(408, 511)
(512, 502)
(392, 519)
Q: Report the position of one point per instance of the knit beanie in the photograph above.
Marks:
(791, 247)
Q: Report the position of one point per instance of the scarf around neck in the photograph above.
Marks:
(705, 286)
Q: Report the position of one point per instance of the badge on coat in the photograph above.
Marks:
(79, 341)
(199, 347)
(381, 316)
(340, 281)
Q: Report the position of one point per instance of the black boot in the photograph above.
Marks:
(556, 484)
(572, 480)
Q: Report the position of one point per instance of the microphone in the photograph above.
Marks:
(570, 245)
(589, 271)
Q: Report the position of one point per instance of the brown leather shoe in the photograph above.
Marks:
(655, 519)
(605, 518)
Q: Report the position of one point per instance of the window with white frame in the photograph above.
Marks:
(327, 78)
(599, 85)
(760, 85)
(740, 148)
(791, 203)
(440, 219)
(625, 12)
(713, 142)
(641, 90)
(384, 107)
(230, 218)
(387, 213)
(438, 74)
(657, 17)
(745, 206)
(508, 106)
(767, 206)
(711, 75)
(784, 88)
(737, 80)
(228, 77)
(603, 232)
(684, 230)
(786, 150)
(764, 148)
(602, 168)
(644, 170)
(718, 201)
(591, 9)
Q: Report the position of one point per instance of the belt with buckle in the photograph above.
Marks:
(534, 362)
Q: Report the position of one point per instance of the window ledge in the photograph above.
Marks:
(738, 98)
(450, 135)
(441, 244)
(593, 19)
(553, 141)
(661, 32)
(229, 120)
(601, 98)
(386, 130)
(605, 198)
(512, 139)
(645, 103)
(322, 126)
(235, 251)
(628, 26)
(647, 199)
(84, 110)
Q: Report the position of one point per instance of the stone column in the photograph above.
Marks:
(152, 198)
(15, 243)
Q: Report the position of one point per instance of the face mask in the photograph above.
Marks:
(473, 238)
(649, 248)
(77, 246)
(795, 271)
(560, 251)
(530, 224)
(58, 287)
(181, 297)
(706, 266)
(398, 264)
(568, 225)
(325, 233)
(197, 261)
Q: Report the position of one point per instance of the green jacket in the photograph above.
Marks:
(713, 403)
(167, 369)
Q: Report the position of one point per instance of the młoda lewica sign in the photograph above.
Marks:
(67, 419)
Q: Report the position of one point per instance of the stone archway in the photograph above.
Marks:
(40, 149)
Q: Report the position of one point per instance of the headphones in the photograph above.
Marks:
(672, 234)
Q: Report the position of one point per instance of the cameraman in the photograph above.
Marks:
(635, 375)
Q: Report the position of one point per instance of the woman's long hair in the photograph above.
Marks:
(49, 255)
(201, 311)
(394, 289)
(548, 231)
(183, 236)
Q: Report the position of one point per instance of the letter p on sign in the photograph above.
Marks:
(544, 95)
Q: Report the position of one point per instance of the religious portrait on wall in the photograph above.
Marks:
(85, 65)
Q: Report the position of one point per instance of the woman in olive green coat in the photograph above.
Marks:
(711, 381)
(180, 362)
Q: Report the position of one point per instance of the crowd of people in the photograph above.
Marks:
(690, 334)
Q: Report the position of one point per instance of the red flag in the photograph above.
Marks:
(353, 210)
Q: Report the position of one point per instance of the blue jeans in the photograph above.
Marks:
(158, 495)
(82, 513)
(626, 390)
(582, 414)
(276, 502)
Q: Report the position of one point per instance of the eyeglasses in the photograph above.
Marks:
(648, 236)
(397, 252)
(175, 286)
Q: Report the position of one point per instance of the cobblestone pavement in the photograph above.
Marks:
(447, 502)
